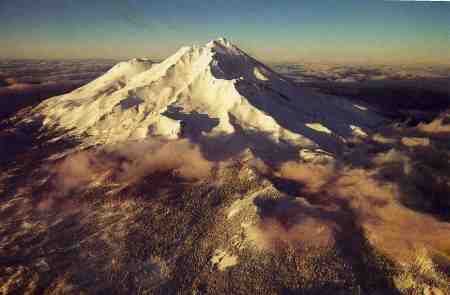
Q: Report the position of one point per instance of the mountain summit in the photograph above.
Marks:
(216, 90)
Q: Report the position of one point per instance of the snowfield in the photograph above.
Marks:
(209, 91)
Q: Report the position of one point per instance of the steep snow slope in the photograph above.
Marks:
(214, 90)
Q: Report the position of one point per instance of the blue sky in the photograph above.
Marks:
(290, 30)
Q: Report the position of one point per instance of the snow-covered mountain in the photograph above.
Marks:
(209, 91)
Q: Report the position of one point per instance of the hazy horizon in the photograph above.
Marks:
(358, 32)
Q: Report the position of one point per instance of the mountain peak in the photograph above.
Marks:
(219, 41)
(222, 44)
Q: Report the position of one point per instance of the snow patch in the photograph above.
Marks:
(223, 260)
(259, 75)
(415, 141)
(357, 131)
(438, 125)
(359, 107)
(318, 127)
(317, 156)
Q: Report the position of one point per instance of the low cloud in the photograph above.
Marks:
(294, 223)
(320, 72)
(387, 202)
(129, 163)
(313, 176)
